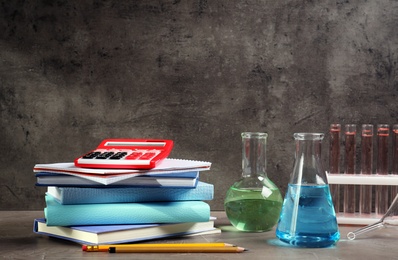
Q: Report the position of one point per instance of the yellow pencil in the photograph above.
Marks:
(225, 249)
(105, 248)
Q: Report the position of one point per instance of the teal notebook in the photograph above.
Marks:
(57, 214)
(78, 195)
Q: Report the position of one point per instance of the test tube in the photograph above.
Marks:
(365, 194)
(334, 163)
(381, 200)
(394, 188)
(349, 190)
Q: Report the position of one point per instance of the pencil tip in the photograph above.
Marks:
(241, 249)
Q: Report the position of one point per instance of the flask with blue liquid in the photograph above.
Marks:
(307, 217)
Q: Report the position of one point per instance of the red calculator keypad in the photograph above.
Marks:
(126, 153)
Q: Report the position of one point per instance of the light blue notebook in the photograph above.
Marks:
(57, 214)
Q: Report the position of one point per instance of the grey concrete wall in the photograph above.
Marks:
(199, 72)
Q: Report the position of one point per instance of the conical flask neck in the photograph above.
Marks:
(309, 151)
(308, 168)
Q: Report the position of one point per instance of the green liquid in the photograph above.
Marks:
(250, 210)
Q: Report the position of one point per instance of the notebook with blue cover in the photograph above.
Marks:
(116, 234)
(109, 194)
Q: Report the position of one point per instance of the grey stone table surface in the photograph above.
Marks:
(17, 241)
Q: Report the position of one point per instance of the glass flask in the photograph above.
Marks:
(308, 218)
(254, 202)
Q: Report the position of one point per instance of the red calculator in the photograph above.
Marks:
(126, 154)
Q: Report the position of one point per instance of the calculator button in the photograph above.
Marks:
(105, 155)
(134, 156)
(118, 155)
(147, 156)
(91, 155)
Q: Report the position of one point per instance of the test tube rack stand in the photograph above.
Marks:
(361, 179)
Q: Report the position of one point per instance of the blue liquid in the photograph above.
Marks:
(308, 218)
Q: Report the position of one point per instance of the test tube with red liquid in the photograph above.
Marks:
(365, 194)
(334, 162)
(394, 170)
(381, 200)
(350, 155)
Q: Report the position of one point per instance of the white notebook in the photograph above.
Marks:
(109, 176)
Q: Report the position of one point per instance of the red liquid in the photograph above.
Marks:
(395, 151)
(366, 154)
(349, 190)
(334, 151)
(334, 163)
(382, 153)
(394, 189)
(365, 197)
(382, 168)
(350, 152)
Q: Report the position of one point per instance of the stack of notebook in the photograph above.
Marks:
(110, 206)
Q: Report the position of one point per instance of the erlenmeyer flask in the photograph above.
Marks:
(389, 219)
(254, 202)
(308, 218)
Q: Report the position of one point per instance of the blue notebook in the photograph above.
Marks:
(57, 214)
(77, 195)
(115, 234)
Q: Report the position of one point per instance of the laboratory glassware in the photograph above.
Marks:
(254, 202)
(350, 167)
(394, 188)
(308, 217)
(381, 198)
(334, 162)
(390, 218)
(365, 194)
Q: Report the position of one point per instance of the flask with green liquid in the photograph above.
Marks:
(254, 202)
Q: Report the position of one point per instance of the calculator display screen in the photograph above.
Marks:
(152, 144)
